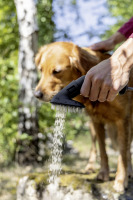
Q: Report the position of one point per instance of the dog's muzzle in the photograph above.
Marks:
(38, 94)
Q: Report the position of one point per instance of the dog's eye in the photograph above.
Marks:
(56, 71)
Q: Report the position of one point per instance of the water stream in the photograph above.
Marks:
(56, 150)
(55, 167)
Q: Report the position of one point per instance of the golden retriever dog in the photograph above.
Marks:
(62, 62)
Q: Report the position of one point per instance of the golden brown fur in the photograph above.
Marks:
(62, 62)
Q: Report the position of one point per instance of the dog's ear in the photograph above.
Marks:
(75, 60)
(83, 59)
(38, 57)
(90, 58)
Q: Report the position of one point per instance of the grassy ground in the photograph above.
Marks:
(9, 176)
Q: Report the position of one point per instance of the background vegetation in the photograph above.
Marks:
(9, 40)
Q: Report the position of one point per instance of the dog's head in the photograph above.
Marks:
(60, 63)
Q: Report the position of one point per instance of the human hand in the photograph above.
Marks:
(109, 44)
(106, 45)
(105, 80)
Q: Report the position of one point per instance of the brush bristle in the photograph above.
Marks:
(71, 109)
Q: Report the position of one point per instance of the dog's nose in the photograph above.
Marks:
(38, 94)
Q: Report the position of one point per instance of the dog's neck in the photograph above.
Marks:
(89, 58)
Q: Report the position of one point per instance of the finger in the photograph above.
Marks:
(94, 90)
(103, 94)
(111, 95)
(85, 89)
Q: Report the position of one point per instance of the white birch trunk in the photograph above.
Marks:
(28, 121)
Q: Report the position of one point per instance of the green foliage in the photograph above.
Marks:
(8, 105)
(121, 9)
(45, 23)
(46, 118)
(9, 80)
(76, 124)
(9, 29)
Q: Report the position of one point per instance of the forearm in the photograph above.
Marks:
(110, 43)
(117, 38)
(120, 36)
(124, 32)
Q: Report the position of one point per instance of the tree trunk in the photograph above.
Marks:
(28, 120)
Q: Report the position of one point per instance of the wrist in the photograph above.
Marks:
(117, 38)
(123, 56)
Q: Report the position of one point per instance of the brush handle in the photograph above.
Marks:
(123, 90)
(73, 88)
(80, 81)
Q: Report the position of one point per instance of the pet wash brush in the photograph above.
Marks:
(64, 97)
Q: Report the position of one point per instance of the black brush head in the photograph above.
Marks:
(65, 101)
(64, 97)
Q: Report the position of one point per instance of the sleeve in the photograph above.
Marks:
(127, 28)
(131, 36)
